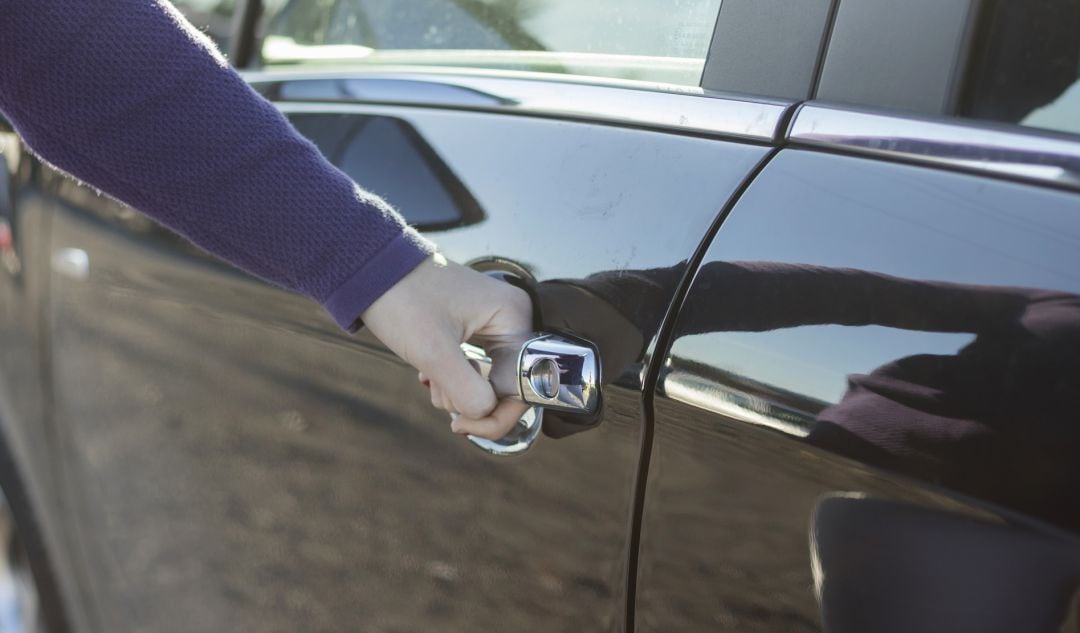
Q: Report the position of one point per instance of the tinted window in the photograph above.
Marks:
(655, 40)
(1027, 64)
(213, 17)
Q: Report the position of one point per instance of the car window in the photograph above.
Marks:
(1026, 65)
(213, 17)
(655, 40)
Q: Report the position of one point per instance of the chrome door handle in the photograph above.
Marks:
(559, 373)
(554, 372)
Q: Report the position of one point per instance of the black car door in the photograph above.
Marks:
(866, 419)
(232, 461)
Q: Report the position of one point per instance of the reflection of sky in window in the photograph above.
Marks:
(671, 28)
(416, 24)
(1062, 115)
(903, 221)
(201, 5)
(665, 28)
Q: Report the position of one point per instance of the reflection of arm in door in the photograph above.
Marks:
(996, 419)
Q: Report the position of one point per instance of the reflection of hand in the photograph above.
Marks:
(427, 315)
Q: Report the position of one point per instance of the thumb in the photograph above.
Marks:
(466, 390)
(498, 424)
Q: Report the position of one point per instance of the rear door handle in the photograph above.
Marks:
(553, 371)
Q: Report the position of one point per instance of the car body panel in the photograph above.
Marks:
(209, 452)
(237, 462)
(898, 337)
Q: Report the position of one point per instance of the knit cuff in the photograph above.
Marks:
(395, 260)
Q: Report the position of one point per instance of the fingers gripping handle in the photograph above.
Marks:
(548, 371)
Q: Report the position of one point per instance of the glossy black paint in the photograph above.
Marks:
(235, 462)
(875, 331)
(865, 421)
(889, 567)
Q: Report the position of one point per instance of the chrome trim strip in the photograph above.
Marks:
(660, 106)
(966, 145)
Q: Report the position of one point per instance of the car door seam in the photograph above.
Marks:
(654, 363)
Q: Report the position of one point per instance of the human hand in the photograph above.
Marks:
(426, 316)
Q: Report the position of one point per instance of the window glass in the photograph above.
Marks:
(1027, 65)
(213, 17)
(654, 40)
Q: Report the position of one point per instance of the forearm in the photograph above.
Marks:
(118, 94)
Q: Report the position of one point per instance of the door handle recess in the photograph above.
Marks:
(553, 371)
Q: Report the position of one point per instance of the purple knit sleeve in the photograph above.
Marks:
(126, 96)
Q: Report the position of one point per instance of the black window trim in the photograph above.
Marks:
(244, 33)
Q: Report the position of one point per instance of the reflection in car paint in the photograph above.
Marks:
(992, 420)
(234, 433)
